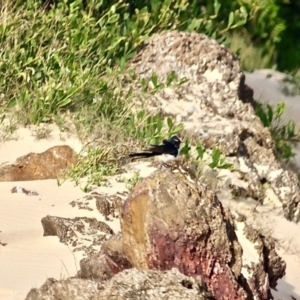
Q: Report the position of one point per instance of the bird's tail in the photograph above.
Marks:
(142, 154)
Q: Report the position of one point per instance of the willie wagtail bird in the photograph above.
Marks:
(167, 151)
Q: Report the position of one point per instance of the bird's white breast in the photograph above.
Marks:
(166, 157)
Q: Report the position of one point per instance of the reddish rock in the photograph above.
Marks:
(170, 222)
(37, 166)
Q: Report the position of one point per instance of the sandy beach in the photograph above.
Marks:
(28, 258)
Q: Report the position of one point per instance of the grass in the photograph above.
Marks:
(8, 127)
(69, 70)
(251, 57)
(41, 132)
(69, 59)
(65, 65)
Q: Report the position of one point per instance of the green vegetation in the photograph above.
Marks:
(132, 181)
(64, 63)
(97, 163)
(284, 135)
(217, 160)
(67, 57)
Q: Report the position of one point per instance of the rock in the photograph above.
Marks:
(69, 289)
(178, 241)
(214, 105)
(262, 267)
(271, 268)
(127, 285)
(107, 263)
(107, 205)
(80, 233)
(21, 190)
(169, 222)
(37, 166)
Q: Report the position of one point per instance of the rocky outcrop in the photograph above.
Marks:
(79, 233)
(177, 240)
(37, 166)
(170, 222)
(128, 285)
(215, 107)
(110, 261)
(267, 268)
(69, 289)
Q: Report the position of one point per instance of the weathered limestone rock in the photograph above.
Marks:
(214, 105)
(170, 222)
(108, 205)
(109, 261)
(69, 289)
(263, 272)
(127, 285)
(37, 166)
(80, 233)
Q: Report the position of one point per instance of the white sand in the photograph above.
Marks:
(29, 259)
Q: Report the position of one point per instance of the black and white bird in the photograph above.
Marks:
(166, 152)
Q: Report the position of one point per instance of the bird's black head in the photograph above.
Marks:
(175, 141)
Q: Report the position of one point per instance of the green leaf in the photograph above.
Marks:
(238, 24)
(216, 153)
(244, 11)
(122, 64)
(171, 77)
(200, 151)
(291, 129)
(230, 19)
(159, 124)
(213, 164)
(63, 102)
(154, 80)
(217, 7)
(178, 128)
(113, 19)
(12, 102)
(170, 123)
(116, 43)
(2, 118)
(280, 108)
(225, 166)
(185, 149)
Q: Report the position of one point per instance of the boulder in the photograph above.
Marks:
(110, 261)
(38, 166)
(80, 233)
(215, 106)
(69, 289)
(127, 285)
(169, 222)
